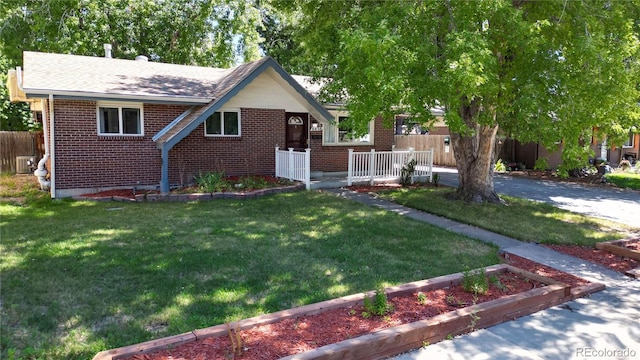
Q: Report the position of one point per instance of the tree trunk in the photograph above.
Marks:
(474, 153)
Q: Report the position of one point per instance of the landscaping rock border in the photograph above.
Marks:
(197, 196)
(400, 338)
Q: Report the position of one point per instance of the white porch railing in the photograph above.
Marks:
(294, 165)
(388, 164)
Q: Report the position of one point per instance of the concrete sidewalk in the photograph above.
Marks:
(603, 326)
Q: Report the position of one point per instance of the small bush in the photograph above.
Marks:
(624, 165)
(378, 306)
(406, 175)
(212, 182)
(500, 166)
(475, 281)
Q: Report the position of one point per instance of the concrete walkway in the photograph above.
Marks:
(603, 326)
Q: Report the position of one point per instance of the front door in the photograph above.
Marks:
(297, 130)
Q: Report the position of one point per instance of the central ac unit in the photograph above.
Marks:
(22, 164)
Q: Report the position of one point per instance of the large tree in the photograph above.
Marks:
(545, 71)
(199, 32)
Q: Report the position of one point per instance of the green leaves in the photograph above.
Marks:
(543, 71)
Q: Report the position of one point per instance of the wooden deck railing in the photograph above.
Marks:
(375, 165)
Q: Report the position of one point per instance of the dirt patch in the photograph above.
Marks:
(601, 257)
(295, 335)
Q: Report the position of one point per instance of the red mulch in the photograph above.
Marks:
(130, 194)
(604, 258)
(293, 336)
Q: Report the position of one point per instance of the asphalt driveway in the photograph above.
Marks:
(614, 204)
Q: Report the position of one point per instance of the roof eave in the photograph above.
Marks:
(82, 95)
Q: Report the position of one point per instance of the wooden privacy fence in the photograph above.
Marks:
(294, 165)
(16, 147)
(374, 165)
(426, 142)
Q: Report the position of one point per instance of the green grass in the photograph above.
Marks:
(520, 219)
(81, 277)
(19, 186)
(624, 180)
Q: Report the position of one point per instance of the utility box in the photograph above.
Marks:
(23, 165)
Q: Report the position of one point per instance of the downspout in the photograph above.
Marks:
(52, 128)
(41, 171)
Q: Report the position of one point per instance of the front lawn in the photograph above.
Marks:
(79, 277)
(520, 219)
(624, 180)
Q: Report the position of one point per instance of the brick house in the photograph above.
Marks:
(113, 123)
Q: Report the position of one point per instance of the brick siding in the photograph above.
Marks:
(253, 153)
(85, 160)
(336, 158)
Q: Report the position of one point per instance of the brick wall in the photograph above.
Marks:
(336, 158)
(253, 153)
(85, 160)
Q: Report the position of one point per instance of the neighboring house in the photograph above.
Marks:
(113, 123)
(528, 153)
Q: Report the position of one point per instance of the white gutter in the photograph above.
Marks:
(41, 171)
(131, 97)
(53, 147)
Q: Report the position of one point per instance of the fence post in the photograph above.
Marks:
(430, 165)
(350, 169)
(277, 162)
(307, 168)
(290, 167)
(372, 164)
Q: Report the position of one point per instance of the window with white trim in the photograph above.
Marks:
(223, 123)
(124, 119)
(629, 142)
(342, 133)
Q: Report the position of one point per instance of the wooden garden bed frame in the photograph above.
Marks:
(617, 247)
(397, 339)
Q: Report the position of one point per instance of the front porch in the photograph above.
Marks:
(364, 168)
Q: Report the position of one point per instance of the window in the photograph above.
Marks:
(223, 123)
(629, 142)
(120, 119)
(343, 132)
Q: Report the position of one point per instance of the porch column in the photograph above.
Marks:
(164, 177)
(307, 168)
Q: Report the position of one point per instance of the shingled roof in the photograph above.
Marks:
(98, 77)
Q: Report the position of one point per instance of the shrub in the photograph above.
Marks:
(475, 281)
(500, 166)
(624, 165)
(212, 182)
(378, 306)
(406, 175)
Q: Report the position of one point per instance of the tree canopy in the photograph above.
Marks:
(194, 32)
(544, 71)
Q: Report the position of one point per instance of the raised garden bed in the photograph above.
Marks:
(392, 336)
(629, 248)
